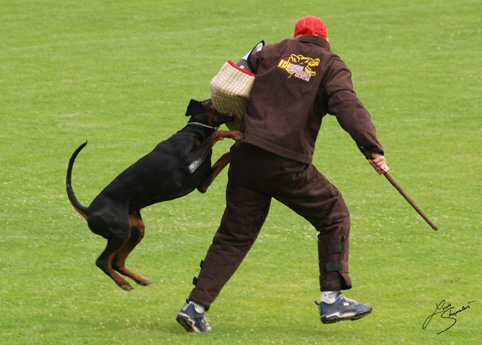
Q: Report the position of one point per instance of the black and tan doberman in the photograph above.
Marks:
(173, 169)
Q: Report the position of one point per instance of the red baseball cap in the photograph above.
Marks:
(310, 25)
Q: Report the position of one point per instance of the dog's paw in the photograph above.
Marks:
(144, 282)
(126, 287)
(237, 135)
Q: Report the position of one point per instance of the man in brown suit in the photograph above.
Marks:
(298, 81)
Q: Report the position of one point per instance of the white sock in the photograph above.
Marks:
(199, 308)
(329, 296)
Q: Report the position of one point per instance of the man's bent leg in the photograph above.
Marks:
(245, 213)
(314, 198)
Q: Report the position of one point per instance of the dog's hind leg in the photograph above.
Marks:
(117, 233)
(137, 234)
(104, 262)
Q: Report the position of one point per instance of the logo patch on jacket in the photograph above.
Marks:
(299, 66)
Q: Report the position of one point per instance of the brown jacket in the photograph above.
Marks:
(299, 81)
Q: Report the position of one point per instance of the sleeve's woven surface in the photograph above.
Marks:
(230, 91)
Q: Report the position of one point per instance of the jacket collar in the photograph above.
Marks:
(314, 39)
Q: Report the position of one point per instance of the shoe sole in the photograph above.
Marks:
(347, 318)
(185, 321)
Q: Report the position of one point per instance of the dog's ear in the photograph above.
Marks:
(194, 107)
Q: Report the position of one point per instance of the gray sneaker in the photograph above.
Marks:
(342, 309)
(191, 320)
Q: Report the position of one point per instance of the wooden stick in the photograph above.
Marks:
(401, 191)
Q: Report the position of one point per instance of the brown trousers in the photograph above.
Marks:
(256, 176)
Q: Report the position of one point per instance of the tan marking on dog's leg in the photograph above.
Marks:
(119, 260)
(215, 170)
(106, 266)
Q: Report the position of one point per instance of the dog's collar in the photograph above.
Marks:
(203, 125)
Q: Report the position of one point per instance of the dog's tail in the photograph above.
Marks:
(70, 192)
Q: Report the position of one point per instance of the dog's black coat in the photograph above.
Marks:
(175, 167)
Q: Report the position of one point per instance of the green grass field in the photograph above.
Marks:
(120, 75)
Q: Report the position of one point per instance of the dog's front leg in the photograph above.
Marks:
(215, 170)
(219, 135)
(200, 154)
